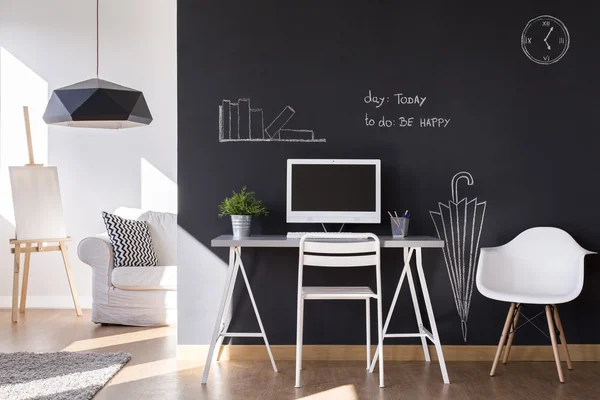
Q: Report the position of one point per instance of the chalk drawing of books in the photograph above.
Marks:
(239, 122)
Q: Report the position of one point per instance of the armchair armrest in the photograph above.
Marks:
(97, 252)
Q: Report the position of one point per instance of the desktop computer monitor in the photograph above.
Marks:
(334, 191)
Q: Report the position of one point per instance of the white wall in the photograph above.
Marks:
(99, 169)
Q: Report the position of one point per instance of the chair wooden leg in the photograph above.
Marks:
(511, 336)
(554, 344)
(16, 271)
(563, 339)
(509, 318)
(25, 279)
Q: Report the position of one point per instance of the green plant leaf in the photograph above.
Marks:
(242, 203)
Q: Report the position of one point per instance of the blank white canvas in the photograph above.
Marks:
(37, 203)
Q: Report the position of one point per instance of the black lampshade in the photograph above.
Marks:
(96, 103)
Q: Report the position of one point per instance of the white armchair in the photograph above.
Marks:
(542, 266)
(140, 296)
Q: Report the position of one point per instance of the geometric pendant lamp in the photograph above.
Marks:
(96, 103)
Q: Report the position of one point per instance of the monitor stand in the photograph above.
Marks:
(326, 231)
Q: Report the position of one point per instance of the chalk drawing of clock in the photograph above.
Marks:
(545, 40)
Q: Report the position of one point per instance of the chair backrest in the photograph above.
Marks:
(339, 250)
(335, 250)
(539, 260)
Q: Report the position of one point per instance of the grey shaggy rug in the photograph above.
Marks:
(57, 376)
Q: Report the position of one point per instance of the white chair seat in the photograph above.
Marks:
(337, 292)
(145, 278)
(541, 265)
(526, 297)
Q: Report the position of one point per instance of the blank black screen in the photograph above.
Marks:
(333, 187)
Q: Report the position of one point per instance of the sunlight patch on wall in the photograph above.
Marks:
(19, 86)
(159, 192)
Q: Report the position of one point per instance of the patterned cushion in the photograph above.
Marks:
(131, 240)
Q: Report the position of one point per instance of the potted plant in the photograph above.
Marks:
(242, 206)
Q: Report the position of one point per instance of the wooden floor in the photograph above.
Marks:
(154, 373)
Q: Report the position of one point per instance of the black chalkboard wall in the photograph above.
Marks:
(527, 133)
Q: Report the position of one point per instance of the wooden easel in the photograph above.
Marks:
(36, 246)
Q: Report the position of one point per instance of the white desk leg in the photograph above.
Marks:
(229, 308)
(413, 294)
(434, 331)
(380, 320)
(225, 298)
(394, 300)
(262, 330)
(299, 335)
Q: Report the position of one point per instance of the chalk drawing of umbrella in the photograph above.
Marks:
(459, 223)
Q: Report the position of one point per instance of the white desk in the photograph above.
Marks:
(410, 244)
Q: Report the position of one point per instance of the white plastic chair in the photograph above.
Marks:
(341, 250)
(540, 266)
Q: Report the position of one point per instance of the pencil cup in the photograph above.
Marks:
(399, 226)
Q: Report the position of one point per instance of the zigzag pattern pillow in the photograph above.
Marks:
(131, 241)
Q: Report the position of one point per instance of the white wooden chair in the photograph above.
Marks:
(542, 265)
(339, 250)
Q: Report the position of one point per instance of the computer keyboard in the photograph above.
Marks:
(298, 235)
